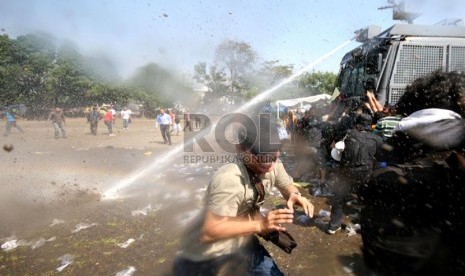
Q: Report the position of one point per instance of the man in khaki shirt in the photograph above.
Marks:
(57, 118)
(223, 237)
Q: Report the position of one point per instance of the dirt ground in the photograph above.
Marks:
(102, 205)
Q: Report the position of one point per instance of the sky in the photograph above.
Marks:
(177, 34)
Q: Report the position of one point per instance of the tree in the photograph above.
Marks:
(37, 43)
(35, 72)
(318, 83)
(200, 73)
(68, 79)
(26, 62)
(237, 58)
(273, 73)
(9, 69)
(213, 79)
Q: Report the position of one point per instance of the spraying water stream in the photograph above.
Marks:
(160, 163)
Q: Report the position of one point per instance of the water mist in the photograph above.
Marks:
(161, 162)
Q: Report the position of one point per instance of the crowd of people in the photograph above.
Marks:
(404, 164)
(413, 214)
(168, 123)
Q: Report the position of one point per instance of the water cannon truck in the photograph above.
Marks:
(388, 61)
(400, 236)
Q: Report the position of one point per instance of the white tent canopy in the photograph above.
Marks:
(301, 101)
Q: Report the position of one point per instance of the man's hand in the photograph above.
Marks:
(273, 220)
(297, 199)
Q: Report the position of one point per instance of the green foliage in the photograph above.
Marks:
(318, 83)
(37, 43)
(36, 72)
(273, 73)
(229, 79)
(237, 58)
(200, 72)
(241, 83)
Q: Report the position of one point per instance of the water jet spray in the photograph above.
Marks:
(160, 163)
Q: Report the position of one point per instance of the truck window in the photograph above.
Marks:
(352, 77)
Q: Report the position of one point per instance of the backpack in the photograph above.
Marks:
(361, 150)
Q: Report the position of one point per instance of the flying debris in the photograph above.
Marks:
(8, 147)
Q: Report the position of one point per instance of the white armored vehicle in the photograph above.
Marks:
(388, 61)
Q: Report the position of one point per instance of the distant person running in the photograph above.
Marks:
(93, 118)
(57, 118)
(187, 121)
(126, 116)
(176, 125)
(172, 116)
(164, 120)
(10, 122)
(113, 113)
(108, 120)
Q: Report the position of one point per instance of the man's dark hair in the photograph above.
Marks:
(363, 122)
(436, 90)
(259, 135)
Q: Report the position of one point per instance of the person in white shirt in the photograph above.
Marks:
(113, 112)
(164, 121)
(126, 116)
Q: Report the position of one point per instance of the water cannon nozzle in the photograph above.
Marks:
(364, 34)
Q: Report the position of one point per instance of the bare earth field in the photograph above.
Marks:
(57, 216)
